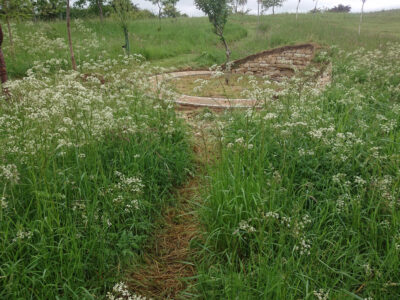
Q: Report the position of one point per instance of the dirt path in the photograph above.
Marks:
(168, 263)
(168, 269)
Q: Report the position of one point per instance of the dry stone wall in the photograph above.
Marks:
(277, 63)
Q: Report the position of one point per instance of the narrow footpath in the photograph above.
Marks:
(168, 270)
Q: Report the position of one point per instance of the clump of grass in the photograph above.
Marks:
(305, 200)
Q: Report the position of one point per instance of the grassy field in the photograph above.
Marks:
(301, 200)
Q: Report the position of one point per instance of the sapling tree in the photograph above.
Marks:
(71, 48)
(361, 17)
(161, 5)
(217, 12)
(236, 4)
(267, 4)
(122, 9)
(100, 6)
(170, 9)
(297, 9)
(315, 7)
(92, 3)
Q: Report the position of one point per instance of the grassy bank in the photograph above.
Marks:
(190, 42)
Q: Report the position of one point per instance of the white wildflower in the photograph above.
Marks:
(321, 294)
(9, 173)
(3, 203)
(270, 116)
(244, 226)
(359, 181)
(22, 235)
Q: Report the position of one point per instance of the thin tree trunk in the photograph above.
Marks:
(100, 5)
(315, 8)
(159, 16)
(3, 68)
(361, 17)
(10, 36)
(127, 46)
(297, 10)
(228, 58)
(227, 51)
(71, 49)
(273, 9)
(258, 12)
(34, 14)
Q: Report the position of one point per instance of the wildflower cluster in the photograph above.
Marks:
(120, 291)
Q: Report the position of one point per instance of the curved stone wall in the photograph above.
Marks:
(276, 63)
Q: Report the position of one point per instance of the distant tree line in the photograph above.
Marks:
(57, 9)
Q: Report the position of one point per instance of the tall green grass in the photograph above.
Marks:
(304, 203)
(326, 29)
(36, 41)
(85, 169)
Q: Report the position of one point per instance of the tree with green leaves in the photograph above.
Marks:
(267, 4)
(48, 9)
(236, 4)
(162, 5)
(122, 9)
(14, 10)
(217, 12)
(170, 10)
(92, 3)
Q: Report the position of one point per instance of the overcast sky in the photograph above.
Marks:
(188, 7)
